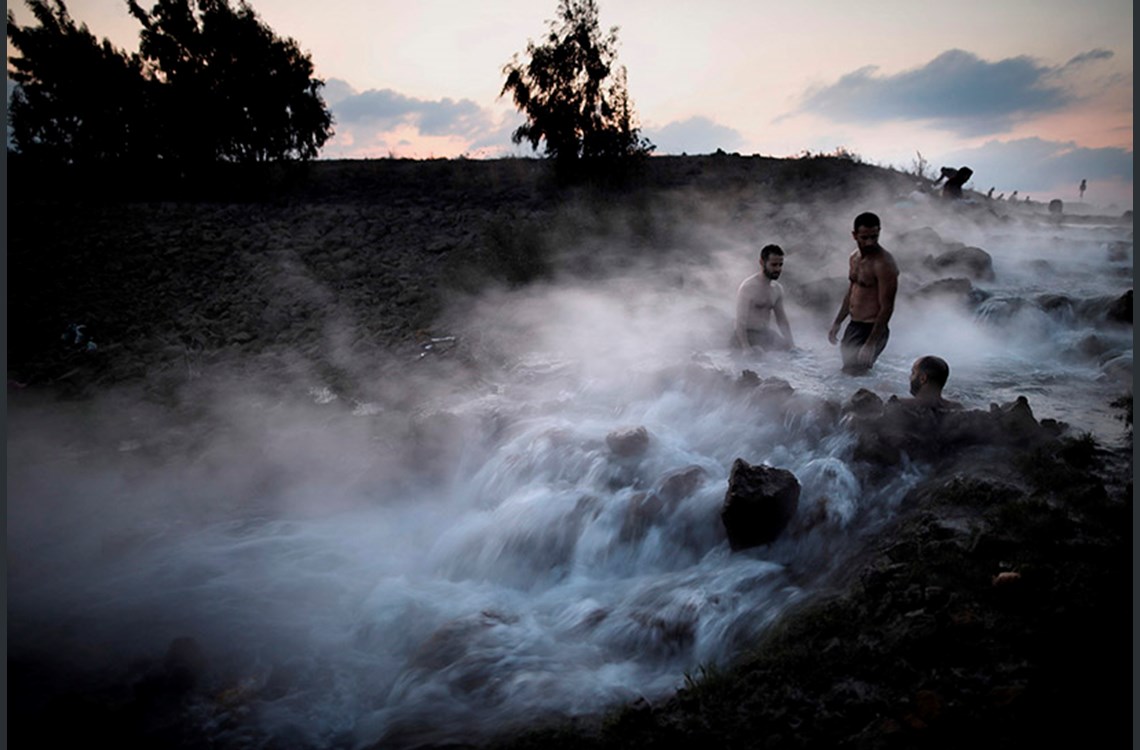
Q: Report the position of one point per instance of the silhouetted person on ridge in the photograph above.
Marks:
(870, 298)
(954, 182)
(1084, 184)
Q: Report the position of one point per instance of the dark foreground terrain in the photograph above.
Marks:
(995, 612)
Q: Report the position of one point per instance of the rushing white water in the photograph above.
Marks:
(341, 596)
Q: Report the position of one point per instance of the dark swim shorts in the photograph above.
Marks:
(854, 337)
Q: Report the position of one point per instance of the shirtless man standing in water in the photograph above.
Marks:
(870, 298)
(757, 300)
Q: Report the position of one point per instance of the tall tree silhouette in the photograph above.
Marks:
(210, 83)
(77, 100)
(573, 94)
(228, 88)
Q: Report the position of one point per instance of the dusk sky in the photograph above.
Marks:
(1033, 95)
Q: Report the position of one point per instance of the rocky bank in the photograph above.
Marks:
(994, 612)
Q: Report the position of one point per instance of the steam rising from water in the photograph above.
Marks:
(435, 569)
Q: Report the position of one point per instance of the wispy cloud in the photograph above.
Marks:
(1090, 56)
(379, 119)
(956, 91)
(696, 135)
(389, 109)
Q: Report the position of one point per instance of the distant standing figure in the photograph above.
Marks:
(954, 182)
(870, 298)
(759, 298)
(990, 193)
(1084, 184)
(1013, 196)
(928, 377)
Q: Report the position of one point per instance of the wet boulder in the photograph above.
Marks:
(677, 485)
(1119, 251)
(627, 442)
(930, 434)
(952, 288)
(864, 403)
(1056, 206)
(1120, 311)
(648, 508)
(759, 504)
(973, 261)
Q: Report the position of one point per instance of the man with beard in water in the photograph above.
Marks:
(870, 298)
(759, 297)
(928, 377)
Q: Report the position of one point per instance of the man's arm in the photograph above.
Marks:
(782, 320)
(744, 301)
(844, 308)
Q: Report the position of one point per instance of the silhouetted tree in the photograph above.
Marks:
(210, 83)
(227, 87)
(76, 100)
(574, 98)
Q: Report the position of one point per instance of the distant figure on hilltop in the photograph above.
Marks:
(758, 299)
(1084, 185)
(928, 376)
(870, 298)
(955, 179)
(1013, 196)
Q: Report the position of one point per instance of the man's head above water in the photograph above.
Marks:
(929, 373)
(772, 261)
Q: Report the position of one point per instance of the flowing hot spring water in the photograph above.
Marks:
(340, 572)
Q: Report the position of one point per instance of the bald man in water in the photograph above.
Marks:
(928, 376)
(870, 298)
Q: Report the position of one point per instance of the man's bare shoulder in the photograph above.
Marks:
(886, 262)
(752, 282)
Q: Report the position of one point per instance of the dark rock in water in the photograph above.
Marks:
(628, 441)
(1056, 206)
(998, 310)
(759, 503)
(184, 664)
(765, 387)
(864, 403)
(648, 508)
(931, 434)
(1117, 368)
(1092, 346)
(1119, 250)
(642, 511)
(953, 287)
(678, 485)
(973, 260)
(1052, 303)
(1120, 311)
(1016, 418)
